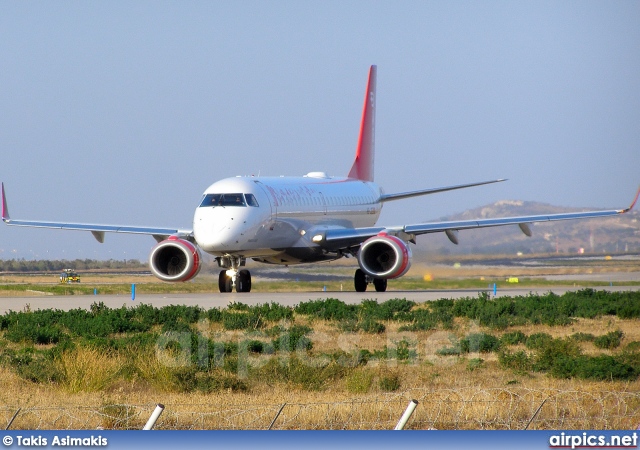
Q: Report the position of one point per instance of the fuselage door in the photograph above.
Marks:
(270, 194)
(324, 203)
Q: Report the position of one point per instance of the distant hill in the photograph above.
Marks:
(611, 234)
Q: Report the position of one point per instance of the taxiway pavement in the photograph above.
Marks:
(67, 302)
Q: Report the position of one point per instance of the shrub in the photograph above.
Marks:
(404, 352)
(240, 321)
(271, 312)
(449, 351)
(190, 379)
(359, 381)
(254, 346)
(329, 309)
(553, 352)
(513, 338)
(293, 339)
(421, 320)
(609, 341)
(538, 340)
(479, 342)
(519, 361)
(474, 363)
(389, 383)
(388, 310)
(214, 315)
(295, 371)
(633, 346)
(32, 365)
(600, 368)
(371, 326)
(583, 337)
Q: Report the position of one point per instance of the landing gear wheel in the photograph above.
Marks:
(243, 281)
(380, 284)
(360, 281)
(224, 282)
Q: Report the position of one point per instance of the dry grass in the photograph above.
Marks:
(454, 391)
(87, 369)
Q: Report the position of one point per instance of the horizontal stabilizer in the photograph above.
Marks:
(401, 195)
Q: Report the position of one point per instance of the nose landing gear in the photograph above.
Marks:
(232, 277)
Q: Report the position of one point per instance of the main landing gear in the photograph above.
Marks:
(231, 277)
(361, 280)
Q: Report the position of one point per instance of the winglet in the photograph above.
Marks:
(633, 203)
(362, 168)
(5, 209)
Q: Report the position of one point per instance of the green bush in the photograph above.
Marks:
(609, 341)
(329, 309)
(293, 339)
(190, 379)
(600, 368)
(389, 310)
(554, 351)
(241, 321)
(274, 312)
(389, 383)
(538, 340)
(519, 361)
(295, 371)
(474, 363)
(513, 338)
(33, 365)
(479, 342)
(583, 337)
(449, 351)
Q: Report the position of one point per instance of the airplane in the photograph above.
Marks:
(295, 220)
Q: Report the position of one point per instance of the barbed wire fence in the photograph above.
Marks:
(455, 409)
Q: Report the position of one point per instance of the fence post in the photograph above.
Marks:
(536, 413)
(133, 291)
(407, 414)
(277, 415)
(154, 416)
(13, 418)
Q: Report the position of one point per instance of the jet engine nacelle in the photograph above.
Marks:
(175, 259)
(384, 256)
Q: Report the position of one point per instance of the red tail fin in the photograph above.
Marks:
(362, 168)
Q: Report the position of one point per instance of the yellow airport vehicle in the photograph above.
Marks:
(69, 276)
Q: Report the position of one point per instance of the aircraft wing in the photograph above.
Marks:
(98, 230)
(340, 239)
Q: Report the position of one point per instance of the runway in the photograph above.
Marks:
(206, 301)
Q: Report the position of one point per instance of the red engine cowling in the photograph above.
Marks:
(175, 259)
(384, 256)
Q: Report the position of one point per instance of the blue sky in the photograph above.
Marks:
(124, 112)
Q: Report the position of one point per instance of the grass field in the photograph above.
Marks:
(320, 352)
(244, 357)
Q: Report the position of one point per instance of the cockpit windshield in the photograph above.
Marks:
(229, 200)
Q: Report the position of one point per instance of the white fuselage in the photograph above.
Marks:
(275, 218)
